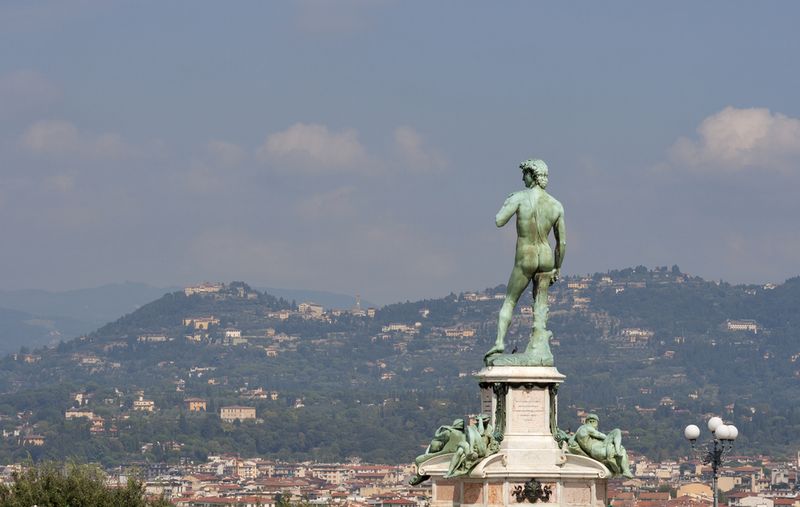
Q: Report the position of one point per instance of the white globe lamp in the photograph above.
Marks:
(691, 432)
(722, 432)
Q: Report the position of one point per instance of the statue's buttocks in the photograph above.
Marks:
(537, 214)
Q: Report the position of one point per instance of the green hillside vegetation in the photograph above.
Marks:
(649, 350)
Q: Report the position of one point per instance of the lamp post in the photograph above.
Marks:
(724, 435)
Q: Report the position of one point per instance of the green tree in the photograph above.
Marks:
(71, 484)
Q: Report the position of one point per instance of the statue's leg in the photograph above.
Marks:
(611, 450)
(422, 458)
(457, 461)
(516, 286)
(612, 466)
(541, 282)
(624, 465)
(539, 345)
(617, 438)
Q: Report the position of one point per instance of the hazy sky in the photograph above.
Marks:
(365, 146)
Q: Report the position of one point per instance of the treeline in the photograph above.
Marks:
(71, 484)
(392, 431)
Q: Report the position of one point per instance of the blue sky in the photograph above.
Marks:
(365, 146)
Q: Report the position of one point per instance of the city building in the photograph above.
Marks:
(195, 404)
(237, 412)
(143, 405)
(742, 325)
(204, 288)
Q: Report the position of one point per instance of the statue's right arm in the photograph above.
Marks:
(560, 233)
(596, 433)
(507, 211)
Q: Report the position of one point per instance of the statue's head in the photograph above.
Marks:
(458, 424)
(593, 420)
(534, 172)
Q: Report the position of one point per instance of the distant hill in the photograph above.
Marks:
(35, 317)
(93, 306)
(649, 350)
(21, 329)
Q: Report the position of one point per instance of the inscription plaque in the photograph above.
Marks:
(528, 411)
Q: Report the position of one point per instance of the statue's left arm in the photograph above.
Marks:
(507, 211)
(560, 233)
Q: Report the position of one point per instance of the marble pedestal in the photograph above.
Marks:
(522, 400)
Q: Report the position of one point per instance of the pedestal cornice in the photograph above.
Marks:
(521, 374)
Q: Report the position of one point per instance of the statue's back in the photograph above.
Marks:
(537, 214)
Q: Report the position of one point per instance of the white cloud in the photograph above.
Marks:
(336, 203)
(198, 179)
(209, 173)
(24, 89)
(61, 182)
(315, 149)
(225, 154)
(734, 139)
(415, 155)
(58, 137)
(51, 136)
